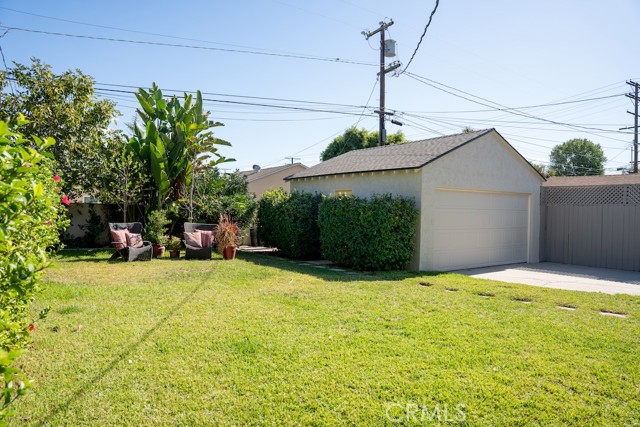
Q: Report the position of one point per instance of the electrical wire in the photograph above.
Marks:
(423, 34)
(185, 46)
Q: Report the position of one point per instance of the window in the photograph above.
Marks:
(343, 193)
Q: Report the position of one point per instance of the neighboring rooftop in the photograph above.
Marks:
(253, 175)
(591, 181)
(408, 155)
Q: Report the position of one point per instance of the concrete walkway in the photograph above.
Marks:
(562, 276)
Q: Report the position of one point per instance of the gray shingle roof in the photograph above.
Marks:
(409, 155)
(252, 175)
(591, 181)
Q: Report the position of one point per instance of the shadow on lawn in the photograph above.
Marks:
(326, 273)
(120, 358)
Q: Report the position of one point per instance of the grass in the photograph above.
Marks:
(266, 341)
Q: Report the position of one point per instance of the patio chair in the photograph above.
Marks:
(130, 253)
(194, 252)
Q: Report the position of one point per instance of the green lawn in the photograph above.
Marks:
(265, 341)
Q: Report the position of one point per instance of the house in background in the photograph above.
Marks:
(261, 180)
(478, 198)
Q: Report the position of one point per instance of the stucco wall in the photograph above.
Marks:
(487, 164)
(273, 181)
(79, 213)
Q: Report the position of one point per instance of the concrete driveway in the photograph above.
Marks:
(562, 276)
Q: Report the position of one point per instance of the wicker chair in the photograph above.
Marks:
(192, 252)
(129, 253)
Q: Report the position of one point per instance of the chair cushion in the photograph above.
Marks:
(134, 240)
(207, 237)
(119, 238)
(193, 238)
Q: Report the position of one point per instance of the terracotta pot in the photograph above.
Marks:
(174, 253)
(158, 250)
(229, 252)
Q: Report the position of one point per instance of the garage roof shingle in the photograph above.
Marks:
(408, 155)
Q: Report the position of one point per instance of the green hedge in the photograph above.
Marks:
(289, 222)
(31, 218)
(374, 234)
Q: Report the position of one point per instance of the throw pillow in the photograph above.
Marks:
(193, 238)
(134, 240)
(119, 238)
(207, 237)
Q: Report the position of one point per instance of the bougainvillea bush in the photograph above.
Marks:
(31, 216)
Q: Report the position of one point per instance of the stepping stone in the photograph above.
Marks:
(610, 313)
(451, 290)
(564, 307)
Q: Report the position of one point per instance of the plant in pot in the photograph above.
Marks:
(174, 246)
(154, 231)
(226, 236)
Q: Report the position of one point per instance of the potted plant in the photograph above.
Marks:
(226, 236)
(154, 231)
(174, 245)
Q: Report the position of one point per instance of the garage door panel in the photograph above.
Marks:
(474, 229)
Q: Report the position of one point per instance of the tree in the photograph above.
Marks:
(216, 195)
(543, 170)
(356, 139)
(175, 142)
(577, 157)
(65, 108)
(122, 179)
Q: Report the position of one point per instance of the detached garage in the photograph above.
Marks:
(479, 199)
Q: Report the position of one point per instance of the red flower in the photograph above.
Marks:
(56, 178)
(32, 328)
(48, 223)
(65, 200)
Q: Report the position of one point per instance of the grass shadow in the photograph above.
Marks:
(332, 273)
(122, 356)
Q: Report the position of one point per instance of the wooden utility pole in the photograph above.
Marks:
(382, 132)
(636, 99)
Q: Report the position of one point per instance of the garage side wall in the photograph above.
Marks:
(592, 226)
(406, 183)
(484, 166)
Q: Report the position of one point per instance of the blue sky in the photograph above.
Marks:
(512, 53)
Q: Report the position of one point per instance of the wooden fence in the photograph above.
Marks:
(595, 226)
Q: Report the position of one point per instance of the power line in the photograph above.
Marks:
(226, 101)
(423, 34)
(501, 107)
(108, 27)
(219, 49)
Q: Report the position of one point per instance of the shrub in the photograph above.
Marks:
(289, 222)
(31, 217)
(375, 234)
(156, 227)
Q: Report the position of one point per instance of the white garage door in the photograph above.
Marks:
(474, 229)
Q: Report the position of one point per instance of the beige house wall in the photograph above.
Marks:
(486, 165)
(273, 181)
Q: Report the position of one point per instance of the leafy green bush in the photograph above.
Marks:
(375, 234)
(216, 195)
(31, 217)
(289, 222)
(156, 227)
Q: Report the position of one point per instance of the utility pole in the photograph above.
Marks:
(634, 96)
(382, 132)
(292, 159)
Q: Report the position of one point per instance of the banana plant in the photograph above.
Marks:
(175, 142)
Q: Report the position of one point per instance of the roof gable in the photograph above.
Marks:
(408, 155)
